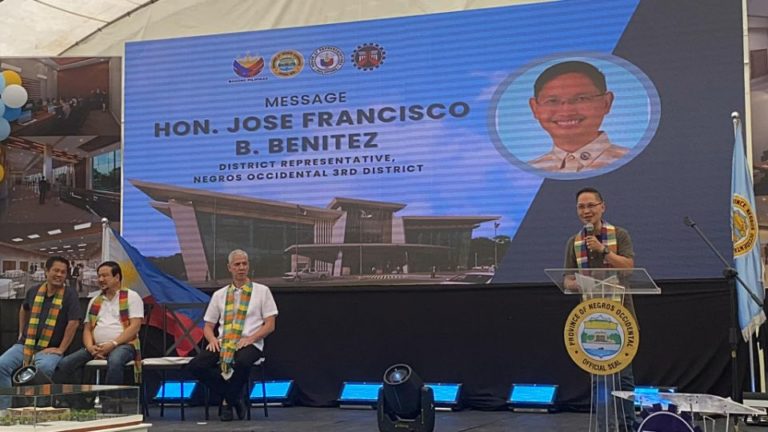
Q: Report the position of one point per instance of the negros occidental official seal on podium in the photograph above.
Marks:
(601, 336)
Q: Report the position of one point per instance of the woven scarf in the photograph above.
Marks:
(234, 317)
(607, 237)
(125, 320)
(32, 343)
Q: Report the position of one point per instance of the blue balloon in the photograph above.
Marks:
(5, 129)
(2, 108)
(11, 114)
(2, 82)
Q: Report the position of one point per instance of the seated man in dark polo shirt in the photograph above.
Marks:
(48, 320)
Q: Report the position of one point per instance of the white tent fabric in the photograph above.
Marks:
(101, 27)
(48, 27)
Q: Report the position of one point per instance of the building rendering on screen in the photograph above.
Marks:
(347, 237)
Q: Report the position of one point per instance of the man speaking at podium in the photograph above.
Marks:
(602, 245)
(599, 244)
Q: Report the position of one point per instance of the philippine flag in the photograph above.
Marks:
(155, 286)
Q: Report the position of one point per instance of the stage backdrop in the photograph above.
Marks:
(412, 150)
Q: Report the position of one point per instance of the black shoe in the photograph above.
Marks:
(241, 409)
(225, 414)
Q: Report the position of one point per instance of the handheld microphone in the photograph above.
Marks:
(590, 229)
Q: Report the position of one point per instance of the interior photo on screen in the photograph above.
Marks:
(61, 165)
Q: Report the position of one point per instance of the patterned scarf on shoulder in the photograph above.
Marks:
(234, 317)
(607, 237)
(30, 345)
(125, 320)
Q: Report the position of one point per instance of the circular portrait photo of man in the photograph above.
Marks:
(574, 116)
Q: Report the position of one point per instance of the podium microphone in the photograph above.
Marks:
(688, 221)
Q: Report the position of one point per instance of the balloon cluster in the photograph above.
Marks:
(12, 97)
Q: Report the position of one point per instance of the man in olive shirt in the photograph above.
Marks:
(602, 245)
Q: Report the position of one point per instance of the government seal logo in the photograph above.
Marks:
(601, 336)
(744, 226)
(248, 66)
(368, 56)
(326, 60)
(286, 64)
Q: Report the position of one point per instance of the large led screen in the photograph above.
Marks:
(443, 148)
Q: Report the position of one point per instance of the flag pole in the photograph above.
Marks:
(736, 120)
(761, 362)
(104, 239)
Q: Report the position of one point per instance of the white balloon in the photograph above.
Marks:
(14, 96)
(5, 129)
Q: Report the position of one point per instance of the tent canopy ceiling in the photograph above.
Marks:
(48, 27)
(101, 27)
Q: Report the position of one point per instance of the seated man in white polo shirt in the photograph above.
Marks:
(245, 313)
(111, 330)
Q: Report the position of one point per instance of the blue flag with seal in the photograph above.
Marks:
(746, 242)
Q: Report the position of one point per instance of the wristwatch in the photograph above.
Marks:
(606, 251)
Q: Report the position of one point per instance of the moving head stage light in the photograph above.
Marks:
(38, 383)
(405, 404)
(30, 375)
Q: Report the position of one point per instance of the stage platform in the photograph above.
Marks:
(302, 419)
(505, 335)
